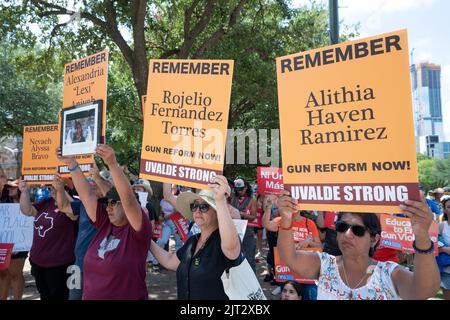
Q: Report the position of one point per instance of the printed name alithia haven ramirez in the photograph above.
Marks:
(319, 115)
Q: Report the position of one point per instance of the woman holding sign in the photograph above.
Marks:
(355, 275)
(204, 257)
(114, 264)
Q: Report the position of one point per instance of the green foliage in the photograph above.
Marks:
(26, 98)
(434, 173)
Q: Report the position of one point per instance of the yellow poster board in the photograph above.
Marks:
(39, 162)
(346, 125)
(185, 121)
(86, 80)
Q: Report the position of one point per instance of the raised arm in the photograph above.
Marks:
(25, 204)
(231, 247)
(267, 207)
(168, 195)
(306, 264)
(62, 199)
(82, 186)
(103, 185)
(168, 260)
(130, 204)
(424, 282)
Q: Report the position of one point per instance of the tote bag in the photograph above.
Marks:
(240, 283)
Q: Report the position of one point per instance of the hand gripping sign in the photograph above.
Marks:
(346, 125)
(185, 121)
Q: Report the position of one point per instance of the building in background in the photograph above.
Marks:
(427, 104)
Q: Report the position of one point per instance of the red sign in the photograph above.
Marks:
(270, 180)
(283, 273)
(397, 234)
(5, 255)
(157, 230)
(329, 218)
(181, 224)
(257, 222)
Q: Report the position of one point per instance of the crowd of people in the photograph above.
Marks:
(102, 226)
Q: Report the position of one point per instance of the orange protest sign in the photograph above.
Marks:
(39, 162)
(283, 273)
(86, 80)
(397, 233)
(347, 126)
(185, 121)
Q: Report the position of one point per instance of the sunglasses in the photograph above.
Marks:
(112, 203)
(204, 207)
(357, 230)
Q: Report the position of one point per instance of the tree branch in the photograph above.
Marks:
(190, 35)
(220, 32)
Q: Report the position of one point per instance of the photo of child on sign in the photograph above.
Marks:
(80, 133)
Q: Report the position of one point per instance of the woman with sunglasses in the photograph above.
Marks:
(355, 275)
(204, 257)
(115, 261)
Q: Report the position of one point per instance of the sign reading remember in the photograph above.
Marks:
(185, 121)
(86, 80)
(39, 162)
(347, 125)
(15, 227)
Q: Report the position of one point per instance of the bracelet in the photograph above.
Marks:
(74, 168)
(427, 251)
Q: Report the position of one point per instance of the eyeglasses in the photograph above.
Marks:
(357, 230)
(112, 203)
(204, 207)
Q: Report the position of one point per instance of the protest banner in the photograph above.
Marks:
(346, 125)
(39, 162)
(85, 81)
(5, 255)
(270, 180)
(397, 234)
(185, 121)
(181, 224)
(15, 227)
(283, 273)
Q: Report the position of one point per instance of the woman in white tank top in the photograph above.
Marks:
(354, 275)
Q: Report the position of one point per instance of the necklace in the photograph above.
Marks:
(197, 259)
(350, 296)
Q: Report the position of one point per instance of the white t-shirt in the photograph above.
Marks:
(378, 287)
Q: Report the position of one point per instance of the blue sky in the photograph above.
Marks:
(428, 24)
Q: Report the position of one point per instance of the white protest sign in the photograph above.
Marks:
(241, 226)
(15, 227)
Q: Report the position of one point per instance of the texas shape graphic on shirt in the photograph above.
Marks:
(43, 224)
(108, 244)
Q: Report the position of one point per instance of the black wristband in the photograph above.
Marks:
(427, 251)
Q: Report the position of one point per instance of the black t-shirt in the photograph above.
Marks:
(198, 276)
